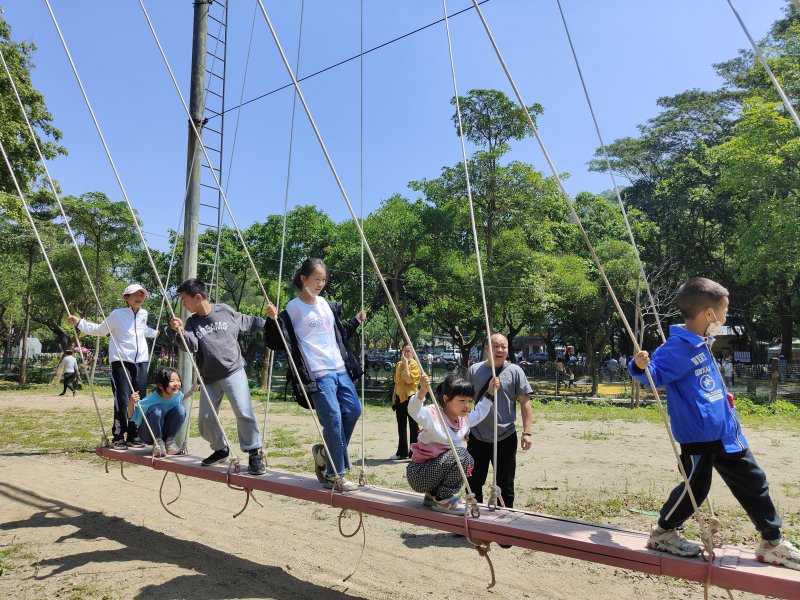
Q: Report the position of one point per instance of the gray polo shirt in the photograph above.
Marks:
(512, 383)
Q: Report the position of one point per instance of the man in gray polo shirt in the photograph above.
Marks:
(514, 388)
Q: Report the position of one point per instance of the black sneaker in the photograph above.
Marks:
(119, 444)
(135, 443)
(256, 464)
(215, 457)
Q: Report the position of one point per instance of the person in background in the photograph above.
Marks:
(406, 381)
(514, 389)
(71, 372)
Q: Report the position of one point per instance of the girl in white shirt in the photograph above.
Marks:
(318, 338)
(433, 469)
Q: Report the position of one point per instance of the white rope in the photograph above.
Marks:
(54, 189)
(493, 498)
(359, 228)
(131, 210)
(285, 206)
(362, 479)
(786, 102)
(576, 218)
(199, 141)
(617, 193)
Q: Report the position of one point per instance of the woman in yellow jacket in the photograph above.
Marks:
(406, 381)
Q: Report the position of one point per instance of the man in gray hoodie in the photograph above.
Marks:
(212, 332)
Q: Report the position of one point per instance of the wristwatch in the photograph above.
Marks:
(526, 434)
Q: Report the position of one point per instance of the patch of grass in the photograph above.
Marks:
(69, 431)
(86, 591)
(792, 490)
(592, 436)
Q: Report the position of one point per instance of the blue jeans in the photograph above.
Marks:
(338, 409)
(164, 424)
(236, 387)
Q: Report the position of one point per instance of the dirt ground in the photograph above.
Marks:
(72, 531)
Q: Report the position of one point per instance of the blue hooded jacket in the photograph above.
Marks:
(696, 396)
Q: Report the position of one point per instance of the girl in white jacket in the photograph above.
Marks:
(433, 469)
(127, 351)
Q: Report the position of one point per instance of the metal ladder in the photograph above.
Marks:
(211, 202)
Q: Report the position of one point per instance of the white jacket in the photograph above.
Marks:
(128, 331)
(431, 430)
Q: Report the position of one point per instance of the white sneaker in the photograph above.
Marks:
(158, 448)
(346, 484)
(451, 506)
(784, 553)
(673, 542)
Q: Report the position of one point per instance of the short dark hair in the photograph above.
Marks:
(164, 375)
(307, 267)
(698, 293)
(455, 384)
(68, 351)
(192, 287)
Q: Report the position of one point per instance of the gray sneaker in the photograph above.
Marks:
(320, 464)
(159, 449)
(673, 542)
(171, 446)
(783, 553)
(346, 486)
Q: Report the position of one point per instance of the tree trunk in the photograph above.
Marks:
(26, 328)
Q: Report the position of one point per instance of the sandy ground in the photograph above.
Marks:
(81, 533)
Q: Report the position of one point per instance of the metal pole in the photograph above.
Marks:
(193, 169)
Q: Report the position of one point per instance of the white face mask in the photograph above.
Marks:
(311, 292)
(714, 327)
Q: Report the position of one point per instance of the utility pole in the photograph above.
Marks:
(191, 217)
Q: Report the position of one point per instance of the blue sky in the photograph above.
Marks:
(632, 52)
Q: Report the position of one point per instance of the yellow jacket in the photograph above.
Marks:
(403, 389)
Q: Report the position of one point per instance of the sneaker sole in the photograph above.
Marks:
(447, 511)
(656, 546)
(319, 462)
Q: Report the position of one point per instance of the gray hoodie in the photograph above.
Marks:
(215, 339)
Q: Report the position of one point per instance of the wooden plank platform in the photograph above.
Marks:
(733, 568)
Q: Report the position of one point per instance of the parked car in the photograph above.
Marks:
(539, 357)
(450, 359)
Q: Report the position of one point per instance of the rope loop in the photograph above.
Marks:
(362, 478)
(360, 528)
(161, 494)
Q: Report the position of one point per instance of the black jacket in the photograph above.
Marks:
(344, 332)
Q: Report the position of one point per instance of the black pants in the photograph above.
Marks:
(506, 467)
(741, 473)
(406, 428)
(69, 382)
(137, 372)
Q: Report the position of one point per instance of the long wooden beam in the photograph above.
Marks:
(733, 568)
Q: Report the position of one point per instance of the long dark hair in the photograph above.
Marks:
(164, 376)
(455, 384)
(307, 267)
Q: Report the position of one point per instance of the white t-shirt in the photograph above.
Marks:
(69, 363)
(316, 335)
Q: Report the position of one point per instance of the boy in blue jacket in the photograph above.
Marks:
(705, 424)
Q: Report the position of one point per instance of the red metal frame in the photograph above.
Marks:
(733, 568)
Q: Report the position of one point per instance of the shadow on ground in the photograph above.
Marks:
(216, 574)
